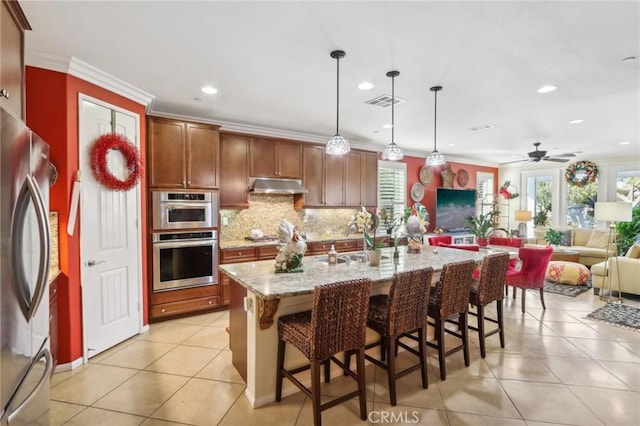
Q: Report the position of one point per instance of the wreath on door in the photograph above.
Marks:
(98, 157)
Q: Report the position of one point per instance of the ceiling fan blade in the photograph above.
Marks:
(567, 154)
(515, 161)
(557, 160)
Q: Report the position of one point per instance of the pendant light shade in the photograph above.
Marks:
(392, 152)
(337, 145)
(435, 158)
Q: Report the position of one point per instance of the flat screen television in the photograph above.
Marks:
(453, 206)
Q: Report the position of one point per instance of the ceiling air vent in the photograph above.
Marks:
(384, 101)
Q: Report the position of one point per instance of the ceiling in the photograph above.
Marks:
(270, 63)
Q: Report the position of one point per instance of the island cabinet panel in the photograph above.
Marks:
(312, 177)
(182, 154)
(273, 158)
(234, 170)
(346, 245)
(235, 255)
(13, 24)
(267, 252)
(334, 180)
(238, 323)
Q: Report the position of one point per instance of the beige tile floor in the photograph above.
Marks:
(557, 368)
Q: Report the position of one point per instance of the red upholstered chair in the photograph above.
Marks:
(435, 240)
(470, 247)
(506, 241)
(531, 273)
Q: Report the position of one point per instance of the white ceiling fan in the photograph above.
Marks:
(536, 156)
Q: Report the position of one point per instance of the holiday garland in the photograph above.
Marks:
(508, 191)
(588, 173)
(99, 166)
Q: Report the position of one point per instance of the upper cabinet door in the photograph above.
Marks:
(334, 180)
(272, 158)
(352, 179)
(312, 176)
(234, 170)
(369, 188)
(166, 154)
(182, 154)
(13, 24)
(203, 145)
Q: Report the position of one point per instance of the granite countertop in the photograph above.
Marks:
(259, 277)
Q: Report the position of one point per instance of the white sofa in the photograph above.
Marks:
(621, 272)
(591, 244)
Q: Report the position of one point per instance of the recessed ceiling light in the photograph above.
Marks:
(387, 126)
(576, 121)
(625, 143)
(197, 99)
(451, 144)
(483, 127)
(365, 85)
(547, 89)
(209, 90)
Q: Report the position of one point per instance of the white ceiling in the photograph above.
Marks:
(270, 63)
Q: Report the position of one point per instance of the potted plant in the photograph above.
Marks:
(541, 218)
(388, 220)
(629, 232)
(554, 237)
(368, 222)
(483, 225)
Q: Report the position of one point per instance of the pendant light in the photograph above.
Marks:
(337, 145)
(392, 152)
(435, 158)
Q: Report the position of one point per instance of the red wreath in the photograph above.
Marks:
(99, 151)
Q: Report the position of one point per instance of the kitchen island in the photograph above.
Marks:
(259, 297)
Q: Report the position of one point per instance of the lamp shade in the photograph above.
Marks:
(612, 211)
(522, 215)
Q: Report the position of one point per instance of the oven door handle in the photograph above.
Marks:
(179, 244)
(174, 205)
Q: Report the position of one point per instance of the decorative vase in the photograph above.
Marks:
(374, 257)
(483, 241)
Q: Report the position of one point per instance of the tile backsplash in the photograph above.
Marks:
(265, 212)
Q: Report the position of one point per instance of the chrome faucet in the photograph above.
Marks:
(351, 228)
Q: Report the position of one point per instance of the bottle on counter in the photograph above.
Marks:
(332, 255)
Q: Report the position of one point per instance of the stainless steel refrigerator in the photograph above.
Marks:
(25, 360)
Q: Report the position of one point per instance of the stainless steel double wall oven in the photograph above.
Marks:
(185, 239)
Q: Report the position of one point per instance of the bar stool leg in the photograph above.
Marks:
(422, 349)
(279, 369)
(500, 322)
(464, 328)
(439, 331)
(315, 392)
(389, 344)
(480, 310)
(362, 386)
(524, 293)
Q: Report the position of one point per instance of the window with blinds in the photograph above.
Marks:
(392, 188)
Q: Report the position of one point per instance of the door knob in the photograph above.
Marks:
(94, 263)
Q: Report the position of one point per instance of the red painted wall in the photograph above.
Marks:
(414, 164)
(52, 112)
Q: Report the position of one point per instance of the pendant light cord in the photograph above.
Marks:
(393, 102)
(435, 121)
(337, 94)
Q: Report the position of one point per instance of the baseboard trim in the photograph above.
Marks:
(69, 365)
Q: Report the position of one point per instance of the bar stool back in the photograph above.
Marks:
(336, 323)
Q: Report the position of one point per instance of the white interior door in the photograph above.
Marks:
(110, 239)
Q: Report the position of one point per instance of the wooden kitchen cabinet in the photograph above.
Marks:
(235, 255)
(319, 247)
(168, 304)
(353, 179)
(182, 154)
(312, 177)
(334, 180)
(234, 170)
(361, 179)
(274, 158)
(13, 24)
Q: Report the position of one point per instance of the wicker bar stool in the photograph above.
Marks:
(489, 287)
(336, 323)
(451, 297)
(403, 310)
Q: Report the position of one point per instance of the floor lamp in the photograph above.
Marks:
(522, 216)
(612, 212)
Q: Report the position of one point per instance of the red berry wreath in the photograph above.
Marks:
(98, 155)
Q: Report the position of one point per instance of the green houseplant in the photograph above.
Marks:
(628, 233)
(483, 225)
(541, 218)
(554, 237)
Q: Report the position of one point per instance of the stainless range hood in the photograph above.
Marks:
(276, 186)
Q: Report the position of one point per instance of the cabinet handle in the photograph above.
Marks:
(239, 253)
(188, 182)
(4, 93)
(210, 302)
(162, 310)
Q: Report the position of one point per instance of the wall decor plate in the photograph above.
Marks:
(417, 192)
(448, 176)
(426, 175)
(463, 177)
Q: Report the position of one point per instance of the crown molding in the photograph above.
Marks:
(77, 68)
